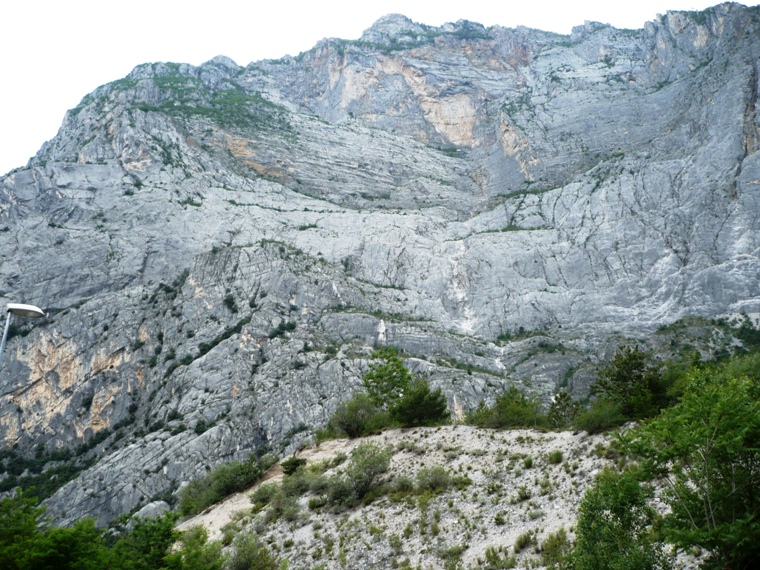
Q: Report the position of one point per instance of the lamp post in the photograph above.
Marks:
(28, 311)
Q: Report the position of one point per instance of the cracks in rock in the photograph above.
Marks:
(751, 143)
(751, 129)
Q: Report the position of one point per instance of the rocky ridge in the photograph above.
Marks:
(220, 247)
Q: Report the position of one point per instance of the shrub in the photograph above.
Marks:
(358, 416)
(708, 447)
(555, 457)
(196, 552)
(418, 406)
(298, 483)
(229, 302)
(26, 542)
(563, 410)
(146, 544)
(221, 482)
(263, 495)
(435, 479)
(362, 475)
(555, 549)
(511, 409)
(368, 462)
(613, 530)
(282, 328)
(634, 384)
(524, 541)
(602, 415)
(403, 485)
(339, 492)
(523, 494)
(387, 378)
(290, 466)
(283, 506)
(249, 554)
(316, 503)
(494, 560)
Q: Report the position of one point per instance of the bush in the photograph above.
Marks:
(26, 543)
(368, 462)
(290, 466)
(403, 486)
(298, 484)
(196, 553)
(147, 543)
(387, 378)
(282, 328)
(602, 415)
(263, 495)
(250, 554)
(563, 410)
(555, 457)
(418, 406)
(555, 549)
(512, 409)
(494, 560)
(283, 507)
(436, 479)
(634, 384)
(339, 492)
(708, 447)
(524, 541)
(222, 482)
(358, 417)
(613, 530)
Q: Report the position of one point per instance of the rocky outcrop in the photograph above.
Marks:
(220, 247)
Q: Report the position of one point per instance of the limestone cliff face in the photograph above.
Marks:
(427, 188)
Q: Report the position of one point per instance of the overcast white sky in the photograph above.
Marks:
(54, 52)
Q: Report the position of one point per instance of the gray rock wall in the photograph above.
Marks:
(426, 188)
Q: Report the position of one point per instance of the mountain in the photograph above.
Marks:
(219, 247)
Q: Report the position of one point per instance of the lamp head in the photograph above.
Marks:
(29, 311)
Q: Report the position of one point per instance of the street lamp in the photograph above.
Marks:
(28, 311)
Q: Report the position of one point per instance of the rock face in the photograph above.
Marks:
(220, 247)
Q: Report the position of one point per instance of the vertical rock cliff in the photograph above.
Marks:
(220, 247)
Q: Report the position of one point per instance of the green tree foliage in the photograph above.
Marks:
(707, 450)
(394, 397)
(358, 417)
(27, 545)
(602, 415)
(222, 482)
(290, 466)
(147, 543)
(250, 554)
(196, 552)
(563, 410)
(77, 548)
(512, 409)
(748, 334)
(419, 406)
(368, 463)
(635, 385)
(614, 527)
(19, 517)
(555, 548)
(387, 378)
